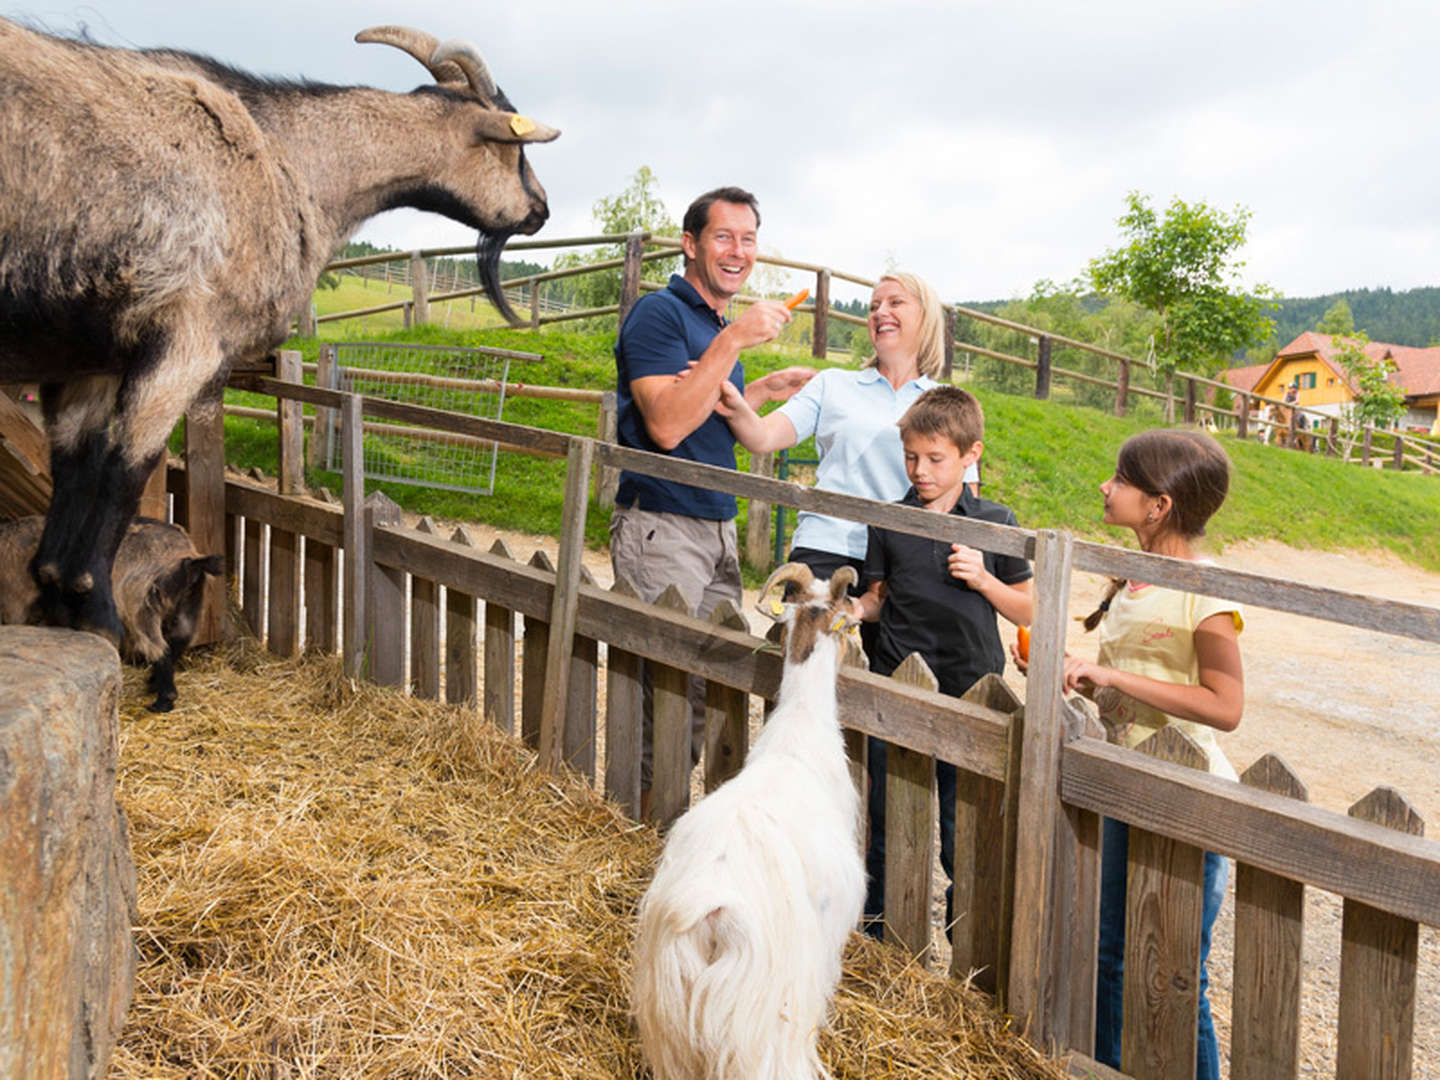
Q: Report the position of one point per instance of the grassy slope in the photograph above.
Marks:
(1044, 459)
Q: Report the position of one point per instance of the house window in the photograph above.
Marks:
(1306, 380)
(1330, 381)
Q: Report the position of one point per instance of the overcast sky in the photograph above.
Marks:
(985, 146)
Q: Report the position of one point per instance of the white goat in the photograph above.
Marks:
(741, 932)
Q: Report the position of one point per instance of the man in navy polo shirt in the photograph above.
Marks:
(664, 533)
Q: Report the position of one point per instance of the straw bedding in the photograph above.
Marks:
(337, 880)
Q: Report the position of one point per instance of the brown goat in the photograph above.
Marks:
(164, 216)
(159, 582)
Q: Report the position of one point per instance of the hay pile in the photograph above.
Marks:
(336, 880)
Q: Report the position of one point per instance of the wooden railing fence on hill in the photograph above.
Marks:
(1035, 781)
(1188, 402)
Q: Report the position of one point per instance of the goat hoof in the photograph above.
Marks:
(161, 705)
(48, 574)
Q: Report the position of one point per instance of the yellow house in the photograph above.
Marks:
(1309, 364)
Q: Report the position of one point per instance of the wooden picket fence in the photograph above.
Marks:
(1036, 779)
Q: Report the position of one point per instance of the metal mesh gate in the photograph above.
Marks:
(463, 380)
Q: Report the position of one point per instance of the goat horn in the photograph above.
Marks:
(793, 571)
(840, 581)
(418, 44)
(468, 59)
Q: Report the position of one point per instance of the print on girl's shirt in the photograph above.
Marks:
(1155, 630)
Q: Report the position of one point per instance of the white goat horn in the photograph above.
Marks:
(467, 58)
(418, 44)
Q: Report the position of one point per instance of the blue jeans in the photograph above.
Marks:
(1109, 997)
(945, 781)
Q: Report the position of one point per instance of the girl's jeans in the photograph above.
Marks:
(1110, 988)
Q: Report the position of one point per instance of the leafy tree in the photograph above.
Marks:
(638, 206)
(1337, 320)
(1378, 401)
(1183, 268)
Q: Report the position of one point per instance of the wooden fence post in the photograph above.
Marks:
(1399, 455)
(947, 366)
(1190, 400)
(1032, 967)
(321, 592)
(630, 274)
(820, 330)
(285, 570)
(425, 629)
(1378, 955)
(565, 603)
(532, 666)
(909, 830)
(623, 709)
(155, 498)
(1269, 935)
(1164, 904)
(356, 557)
(607, 430)
(535, 305)
(727, 714)
(1332, 443)
(385, 592)
(1365, 445)
(757, 516)
(205, 504)
(1042, 368)
(500, 657)
(1122, 389)
(1242, 418)
(420, 289)
(462, 684)
(252, 585)
(579, 746)
(320, 450)
(670, 741)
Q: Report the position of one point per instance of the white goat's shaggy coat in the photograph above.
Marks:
(741, 932)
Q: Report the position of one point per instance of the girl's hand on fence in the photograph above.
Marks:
(731, 400)
(1084, 677)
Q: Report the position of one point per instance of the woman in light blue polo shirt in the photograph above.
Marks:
(852, 415)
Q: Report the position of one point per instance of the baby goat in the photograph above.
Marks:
(741, 931)
(159, 582)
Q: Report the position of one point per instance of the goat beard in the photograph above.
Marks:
(487, 263)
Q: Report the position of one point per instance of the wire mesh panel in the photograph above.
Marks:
(463, 380)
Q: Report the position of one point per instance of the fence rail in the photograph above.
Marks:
(1032, 775)
(1408, 450)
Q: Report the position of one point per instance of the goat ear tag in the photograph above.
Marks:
(777, 608)
(521, 125)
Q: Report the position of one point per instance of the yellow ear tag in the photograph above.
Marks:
(777, 608)
(521, 125)
(838, 624)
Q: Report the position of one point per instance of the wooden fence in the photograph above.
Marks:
(1034, 776)
(1185, 395)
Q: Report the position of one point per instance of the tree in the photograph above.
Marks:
(1183, 268)
(1378, 401)
(638, 206)
(1337, 320)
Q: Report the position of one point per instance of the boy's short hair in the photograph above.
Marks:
(948, 412)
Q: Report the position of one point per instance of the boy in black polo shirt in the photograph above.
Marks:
(936, 599)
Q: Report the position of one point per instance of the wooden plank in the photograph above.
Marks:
(1378, 955)
(291, 422)
(323, 434)
(579, 748)
(1075, 898)
(606, 479)
(1392, 871)
(757, 519)
(623, 707)
(155, 499)
(357, 537)
(205, 505)
(909, 831)
(320, 517)
(1032, 971)
(252, 589)
(1163, 912)
(982, 840)
(565, 603)
(670, 742)
(462, 683)
(534, 662)
(727, 714)
(500, 654)
(820, 328)
(385, 603)
(283, 594)
(1269, 935)
(322, 594)
(1042, 368)
(425, 629)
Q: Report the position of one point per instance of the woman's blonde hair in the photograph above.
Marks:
(932, 322)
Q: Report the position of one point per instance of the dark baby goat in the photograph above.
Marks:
(159, 582)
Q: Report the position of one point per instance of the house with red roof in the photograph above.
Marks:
(1310, 364)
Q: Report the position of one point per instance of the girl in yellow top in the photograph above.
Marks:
(1166, 657)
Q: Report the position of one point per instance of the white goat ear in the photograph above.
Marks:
(508, 127)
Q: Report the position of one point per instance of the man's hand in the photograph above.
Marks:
(779, 385)
(759, 323)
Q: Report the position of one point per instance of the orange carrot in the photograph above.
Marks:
(798, 299)
(1022, 640)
